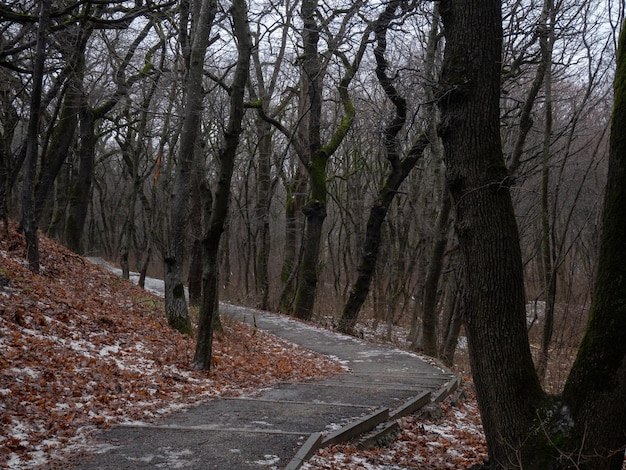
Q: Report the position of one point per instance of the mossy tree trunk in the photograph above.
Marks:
(596, 388)
(585, 428)
(313, 154)
(306, 139)
(314, 160)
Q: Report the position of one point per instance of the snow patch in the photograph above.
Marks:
(270, 460)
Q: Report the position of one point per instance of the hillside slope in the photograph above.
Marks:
(81, 349)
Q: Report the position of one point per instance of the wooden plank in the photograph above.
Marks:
(306, 451)
(447, 389)
(411, 406)
(380, 437)
(357, 427)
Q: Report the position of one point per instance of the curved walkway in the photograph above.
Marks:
(280, 427)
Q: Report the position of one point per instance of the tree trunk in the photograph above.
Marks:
(175, 301)
(454, 320)
(507, 388)
(315, 161)
(81, 189)
(219, 208)
(596, 388)
(62, 139)
(400, 169)
(313, 154)
(550, 267)
(315, 213)
(29, 216)
(431, 284)
(194, 275)
(296, 190)
(10, 122)
(262, 216)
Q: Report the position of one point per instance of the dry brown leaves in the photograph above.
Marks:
(428, 441)
(82, 349)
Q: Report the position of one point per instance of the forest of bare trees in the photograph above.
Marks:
(110, 141)
(287, 155)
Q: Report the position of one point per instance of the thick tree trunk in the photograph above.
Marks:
(313, 154)
(315, 161)
(507, 387)
(196, 232)
(315, 213)
(596, 388)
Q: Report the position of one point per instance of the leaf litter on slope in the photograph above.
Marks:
(81, 349)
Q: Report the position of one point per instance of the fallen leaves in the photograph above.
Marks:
(452, 439)
(81, 349)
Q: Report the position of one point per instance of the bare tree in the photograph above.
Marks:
(175, 301)
(525, 428)
(29, 217)
(400, 169)
(219, 200)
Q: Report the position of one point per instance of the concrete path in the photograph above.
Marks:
(268, 431)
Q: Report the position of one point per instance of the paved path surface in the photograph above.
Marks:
(266, 431)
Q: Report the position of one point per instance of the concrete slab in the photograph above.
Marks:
(267, 431)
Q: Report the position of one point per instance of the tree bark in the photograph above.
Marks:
(262, 208)
(10, 122)
(175, 301)
(400, 169)
(62, 139)
(296, 191)
(550, 267)
(29, 216)
(507, 388)
(315, 161)
(63, 135)
(596, 388)
(219, 208)
(430, 318)
(81, 188)
(454, 315)
(313, 154)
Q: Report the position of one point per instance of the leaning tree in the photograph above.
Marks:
(525, 427)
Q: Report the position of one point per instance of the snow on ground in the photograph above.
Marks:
(82, 349)
(452, 439)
